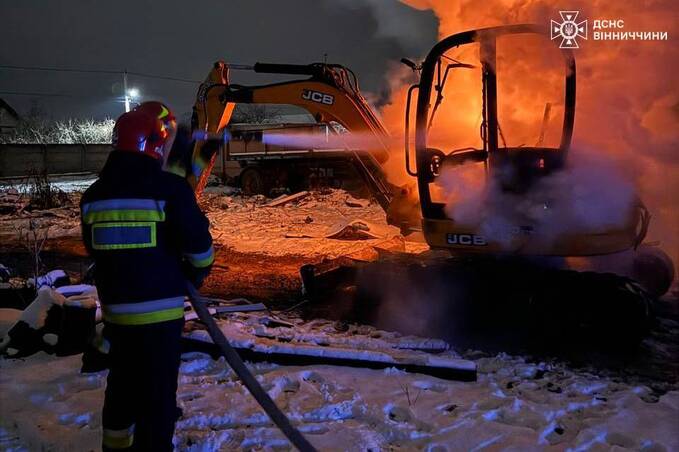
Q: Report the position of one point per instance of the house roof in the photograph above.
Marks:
(8, 108)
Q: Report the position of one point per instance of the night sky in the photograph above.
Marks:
(183, 38)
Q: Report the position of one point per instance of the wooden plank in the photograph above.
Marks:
(307, 355)
(286, 199)
(191, 315)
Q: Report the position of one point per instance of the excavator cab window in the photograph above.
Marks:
(454, 121)
(491, 103)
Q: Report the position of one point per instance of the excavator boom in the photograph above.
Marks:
(330, 94)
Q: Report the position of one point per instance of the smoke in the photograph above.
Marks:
(396, 21)
(627, 109)
(591, 194)
(320, 140)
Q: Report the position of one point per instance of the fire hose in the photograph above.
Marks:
(282, 422)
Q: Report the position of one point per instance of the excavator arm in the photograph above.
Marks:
(330, 94)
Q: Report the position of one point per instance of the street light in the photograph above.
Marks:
(130, 95)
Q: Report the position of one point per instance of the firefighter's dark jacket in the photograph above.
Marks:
(147, 235)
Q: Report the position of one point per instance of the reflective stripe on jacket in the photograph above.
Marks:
(147, 235)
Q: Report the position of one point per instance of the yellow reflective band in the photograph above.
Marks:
(202, 260)
(144, 318)
(124, 215)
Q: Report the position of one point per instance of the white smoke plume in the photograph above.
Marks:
(591, 194)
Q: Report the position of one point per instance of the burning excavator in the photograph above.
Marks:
(518, 274)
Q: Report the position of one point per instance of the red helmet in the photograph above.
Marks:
(137, 131)
(165, 115)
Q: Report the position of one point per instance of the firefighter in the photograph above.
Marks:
(147, 236)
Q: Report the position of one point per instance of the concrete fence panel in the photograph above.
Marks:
(18, 160)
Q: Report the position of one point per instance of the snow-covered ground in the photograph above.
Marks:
(46, 404)
(244, 224)
(68, 184)
(248, 225)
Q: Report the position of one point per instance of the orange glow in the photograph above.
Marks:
(627, 101)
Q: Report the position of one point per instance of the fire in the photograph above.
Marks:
(627, 101)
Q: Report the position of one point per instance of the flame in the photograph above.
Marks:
(628, 96)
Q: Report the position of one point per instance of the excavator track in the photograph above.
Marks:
(496, 301)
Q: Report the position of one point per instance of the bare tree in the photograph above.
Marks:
(33, 239)
(43, 194)
(38, 130)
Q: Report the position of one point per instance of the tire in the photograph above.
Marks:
(252, 182)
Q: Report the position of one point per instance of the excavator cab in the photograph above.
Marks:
(512, 168)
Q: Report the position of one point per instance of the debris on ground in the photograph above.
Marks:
(243, 224)
(284, 199)
(58, 320)
(56, 222)
(11, 201)
(356, 230)
(271, 322)
(54, 278)
(359, 203)
(223, 307)
(298, 235)
(246, 225)
(291, 341)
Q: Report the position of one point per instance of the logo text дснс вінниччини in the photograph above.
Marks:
(569, 30)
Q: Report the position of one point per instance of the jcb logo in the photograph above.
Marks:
(466, 239)
(318, 97)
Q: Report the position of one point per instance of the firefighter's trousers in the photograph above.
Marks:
(140, 403)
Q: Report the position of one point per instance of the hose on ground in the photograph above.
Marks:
(268, 405)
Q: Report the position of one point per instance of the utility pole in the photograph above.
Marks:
(127, 98)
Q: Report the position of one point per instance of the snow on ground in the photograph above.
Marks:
(247, 225)
(18, 223)
(241, 223)
(47, 405)
(68, 184)
(290, 329)
(63, 221)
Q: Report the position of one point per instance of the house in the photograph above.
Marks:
(8, 117)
